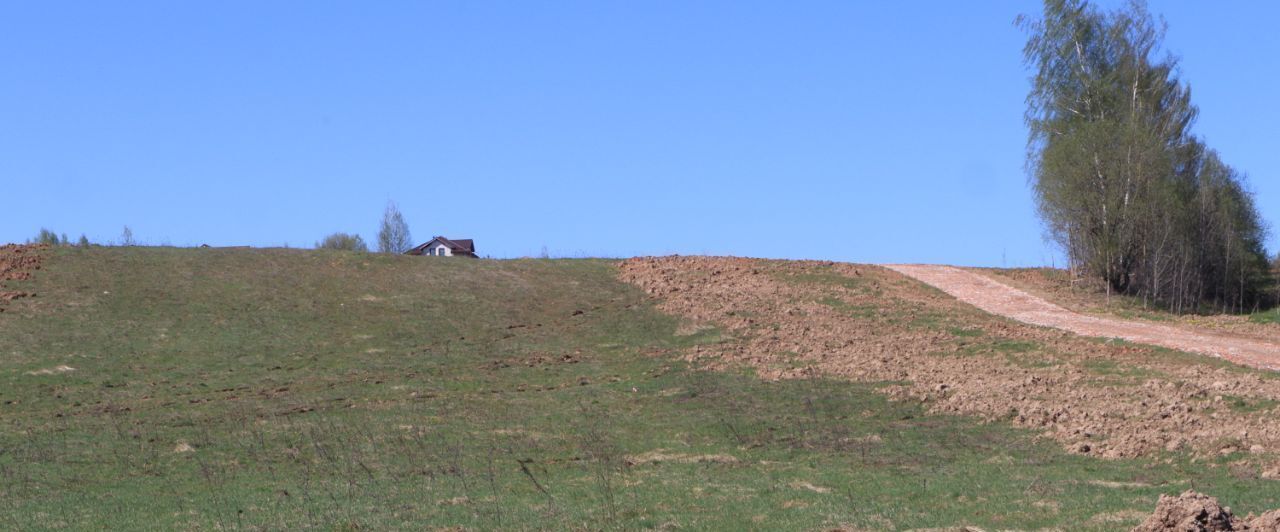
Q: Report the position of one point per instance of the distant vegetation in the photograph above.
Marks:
(1131, 195)
(126, 237)
(49, 238)
(52, 238)
(343, 241)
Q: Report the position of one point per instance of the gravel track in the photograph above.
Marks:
(1003, 300)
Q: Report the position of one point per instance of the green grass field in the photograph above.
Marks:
(282, 389)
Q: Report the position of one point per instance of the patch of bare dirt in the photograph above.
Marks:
(791, 319)
(17, 263)
(801, 485)
(659, 456)
(1197, 512)
(52, 371)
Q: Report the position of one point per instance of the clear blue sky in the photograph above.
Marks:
(860, 131)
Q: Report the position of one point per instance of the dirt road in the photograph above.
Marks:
(1003, 300)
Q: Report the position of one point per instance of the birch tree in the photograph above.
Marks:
(393, 237)
(1122, 185)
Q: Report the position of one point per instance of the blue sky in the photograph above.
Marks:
(859, 131)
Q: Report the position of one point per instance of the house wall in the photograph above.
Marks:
(439, 249)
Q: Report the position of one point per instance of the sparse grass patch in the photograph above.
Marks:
(849, 309)
(1270, 316)
(1032, 362)
(826, 276)
(1249, 404)
(965, 332)
(1110, 368)
(1014, 346)
(1011, 349)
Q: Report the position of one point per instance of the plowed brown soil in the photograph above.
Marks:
(866, 323)
(17, 262)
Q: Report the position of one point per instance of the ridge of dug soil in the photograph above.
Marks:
(17, 262)
(787, 319)
(1001, 299)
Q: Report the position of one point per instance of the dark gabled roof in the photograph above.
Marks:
(464, 246)
(461, 244)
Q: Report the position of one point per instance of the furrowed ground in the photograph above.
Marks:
(206, 388)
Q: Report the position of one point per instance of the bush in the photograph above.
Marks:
(50, 238)
(343, 241)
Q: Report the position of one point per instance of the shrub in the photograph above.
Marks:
(343, 241)
(49, 238)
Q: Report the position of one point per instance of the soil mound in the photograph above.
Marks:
(17, 263)
(1197, 512)
(1268, 522)
(1190, 512)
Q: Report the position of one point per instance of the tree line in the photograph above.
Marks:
(52, 238)
(393, 236)
(1131, 195)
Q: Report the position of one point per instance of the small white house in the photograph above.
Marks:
(446, 247)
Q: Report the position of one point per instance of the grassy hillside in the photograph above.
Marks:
(279, 389)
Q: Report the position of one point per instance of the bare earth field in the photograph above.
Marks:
(871, 324)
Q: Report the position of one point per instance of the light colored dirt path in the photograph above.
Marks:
(1003, 300)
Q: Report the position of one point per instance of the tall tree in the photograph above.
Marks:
(393, 237)
(1132, 197)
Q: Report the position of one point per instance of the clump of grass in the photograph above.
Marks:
(1249, 404)
(1014, 346)
(825, 275)
(965, 332)
(850, 309)
(1270, 316)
